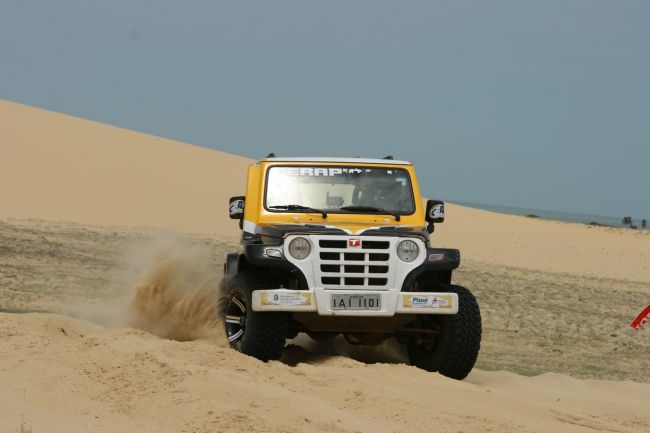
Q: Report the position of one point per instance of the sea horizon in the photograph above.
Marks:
(553, 215)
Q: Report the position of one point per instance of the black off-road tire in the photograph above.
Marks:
(454, 350)
(263, 334)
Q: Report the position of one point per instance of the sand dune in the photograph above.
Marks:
(551, 246)
(62, 374)
(54, 166)
(59, 167)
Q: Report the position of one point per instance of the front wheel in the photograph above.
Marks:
(254, 333)
(453, 351)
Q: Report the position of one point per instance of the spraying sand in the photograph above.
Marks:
(177, 294)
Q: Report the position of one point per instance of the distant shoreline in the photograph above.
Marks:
(552, 215)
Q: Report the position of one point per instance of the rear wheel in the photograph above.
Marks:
(453, 351)
(258, 334)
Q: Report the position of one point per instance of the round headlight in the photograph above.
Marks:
(299, 248)
(407, 250)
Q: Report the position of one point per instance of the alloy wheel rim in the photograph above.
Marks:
(235, 319)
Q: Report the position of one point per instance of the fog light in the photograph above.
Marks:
(436, 257)
(272, 252)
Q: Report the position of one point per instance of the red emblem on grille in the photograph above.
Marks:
(354, 243)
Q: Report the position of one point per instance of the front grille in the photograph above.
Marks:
(344, 265)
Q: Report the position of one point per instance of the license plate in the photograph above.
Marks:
(356, 302)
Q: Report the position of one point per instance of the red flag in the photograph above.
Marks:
(641, 319)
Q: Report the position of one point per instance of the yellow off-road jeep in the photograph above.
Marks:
(341, 246)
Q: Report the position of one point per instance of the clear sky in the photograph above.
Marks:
(540, 104)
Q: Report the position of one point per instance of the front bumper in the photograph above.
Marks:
(391, 302)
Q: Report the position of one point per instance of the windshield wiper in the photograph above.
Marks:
(371, 209)
(300, 207)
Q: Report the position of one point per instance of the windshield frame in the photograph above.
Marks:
(344, 212)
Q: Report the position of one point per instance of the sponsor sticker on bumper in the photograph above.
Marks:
(285, 298)
(427, 301)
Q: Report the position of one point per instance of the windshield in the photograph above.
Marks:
(332, 188)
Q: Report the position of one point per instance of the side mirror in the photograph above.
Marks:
(236, 207)
(435, 213)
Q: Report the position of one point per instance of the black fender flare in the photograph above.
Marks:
(231, 266)
(437, 267)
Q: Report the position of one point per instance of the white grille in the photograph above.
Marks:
(348, 262)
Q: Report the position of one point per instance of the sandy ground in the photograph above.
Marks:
(103, 325)
(534, 321)
(81, 378)
(117, 378)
